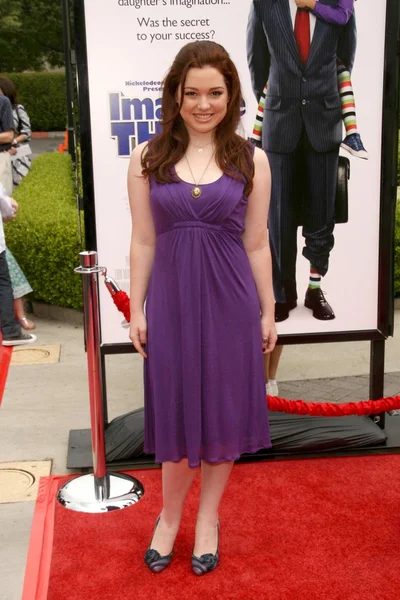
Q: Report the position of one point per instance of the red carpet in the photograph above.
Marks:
(5, 358)
(317, 529)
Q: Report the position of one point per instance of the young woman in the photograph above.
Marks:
(200, 257)
(337, 15)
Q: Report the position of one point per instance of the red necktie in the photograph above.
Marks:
(302, 33)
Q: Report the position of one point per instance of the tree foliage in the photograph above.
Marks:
(31, 35)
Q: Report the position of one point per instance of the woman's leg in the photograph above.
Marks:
(266, 365)
(271, 363)
(19, 310)
(214, 478)
(20, 287)
(177, 479)
(275, 357)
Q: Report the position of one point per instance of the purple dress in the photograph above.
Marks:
(204, 376)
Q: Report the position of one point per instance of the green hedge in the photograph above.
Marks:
(44, 97)
(398, 161)
(397, 251)
(44, 237)
(397, 231)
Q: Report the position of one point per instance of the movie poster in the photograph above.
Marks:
(131, 44)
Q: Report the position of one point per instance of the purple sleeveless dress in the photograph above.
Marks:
(204, 377)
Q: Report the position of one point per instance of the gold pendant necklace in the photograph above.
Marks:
(196, 189)
(200, 149)
(196, 192)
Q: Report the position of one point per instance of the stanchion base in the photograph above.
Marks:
(116, 492)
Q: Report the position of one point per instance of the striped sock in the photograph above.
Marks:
(347, 99)
(258, 123)
(315, 279)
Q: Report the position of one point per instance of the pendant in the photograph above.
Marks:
(196, 191)
(200, 150)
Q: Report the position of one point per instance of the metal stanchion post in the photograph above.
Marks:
(100, 491)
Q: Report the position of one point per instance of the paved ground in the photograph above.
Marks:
(337, 389)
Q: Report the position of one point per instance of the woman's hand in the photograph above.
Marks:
(305, 4)
(138, 332)
(12, 150)
(269, 335)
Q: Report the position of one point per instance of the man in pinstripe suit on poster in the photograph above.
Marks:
(302, 130)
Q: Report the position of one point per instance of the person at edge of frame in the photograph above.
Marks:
(11, 332)
(21, 160)
(10, 328)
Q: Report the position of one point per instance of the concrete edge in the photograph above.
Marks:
(57, 313)
(397, 304)
(48, 134)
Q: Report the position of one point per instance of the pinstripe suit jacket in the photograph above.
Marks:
(298, 95)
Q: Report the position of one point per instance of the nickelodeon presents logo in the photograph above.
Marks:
(136, 120)
(133, 121)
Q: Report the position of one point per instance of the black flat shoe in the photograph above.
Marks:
(316, 301)
(282, 310)
(206, 562)
(153, 559)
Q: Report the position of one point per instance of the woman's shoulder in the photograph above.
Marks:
(262, 169)
(254, 154)
(137, 159)
(259, 157)
(140, 148)
(139, 152)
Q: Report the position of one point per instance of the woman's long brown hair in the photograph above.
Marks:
(233, 154)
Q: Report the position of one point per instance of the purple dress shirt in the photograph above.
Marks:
(337, 15)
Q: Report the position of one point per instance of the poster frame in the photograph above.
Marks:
(385, 303)
(388, 188)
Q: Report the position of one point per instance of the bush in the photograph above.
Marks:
(398, 161)
(44, 237)
(397, 231)
(44, 97)
(397, 251)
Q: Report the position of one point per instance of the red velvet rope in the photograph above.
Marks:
(121, 301)
(331, 409)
